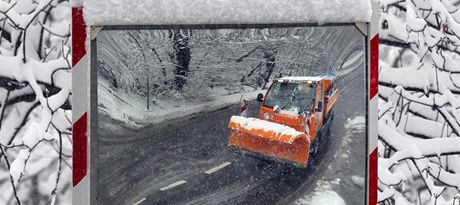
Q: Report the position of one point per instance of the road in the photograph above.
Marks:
(167, 163)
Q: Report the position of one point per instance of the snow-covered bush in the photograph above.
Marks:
(419, 102)
(35, 90)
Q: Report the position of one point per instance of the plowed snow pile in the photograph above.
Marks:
(322, 195)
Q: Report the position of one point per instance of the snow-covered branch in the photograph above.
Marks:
(35, 91)
(419, 102)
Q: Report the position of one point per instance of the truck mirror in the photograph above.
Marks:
(260, 97)
(319, 108)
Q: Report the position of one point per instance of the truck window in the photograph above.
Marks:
(281, 93)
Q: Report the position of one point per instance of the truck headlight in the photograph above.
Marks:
(266, 116)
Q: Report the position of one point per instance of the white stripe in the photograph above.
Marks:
(215, 169)
(80, 192)
(79, 88)
(140, 201)
(173, 185)
(374, 24)
(373, 130)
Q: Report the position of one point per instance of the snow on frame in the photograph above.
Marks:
(137, 12)
(302, 78)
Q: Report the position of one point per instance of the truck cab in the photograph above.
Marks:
(302, 103)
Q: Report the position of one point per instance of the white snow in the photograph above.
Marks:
(354, 58)
(18, 165)
(32, 135)
(426, 147)
(278, 130)
(14, 68)
(36, 88)
(428, 128)
(293, 111)
(353, 125)
(358, 181)
(352, 63)
(77, 3)
(418, 126)
(357, 122)
(327, 198)
(335, 178)
(154, 12)
(301, 78)
(322, 195)
(415, 77)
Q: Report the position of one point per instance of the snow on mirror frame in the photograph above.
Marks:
(176, 12)
(144, 53)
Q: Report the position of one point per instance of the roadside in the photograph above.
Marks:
(134, 115)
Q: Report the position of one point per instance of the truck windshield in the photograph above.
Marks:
(280, 94)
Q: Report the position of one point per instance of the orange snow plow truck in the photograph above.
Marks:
(294, 114)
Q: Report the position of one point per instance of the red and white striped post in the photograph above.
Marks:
(372, 87)
(80, 180)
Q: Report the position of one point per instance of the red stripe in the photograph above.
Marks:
(373, 169)
(78, 35)
(79, 149)
(374, 61)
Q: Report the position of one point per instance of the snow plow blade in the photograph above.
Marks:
(269, 139)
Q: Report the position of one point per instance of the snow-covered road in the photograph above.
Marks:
(187, 161)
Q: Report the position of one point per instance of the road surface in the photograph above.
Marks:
(187, 160)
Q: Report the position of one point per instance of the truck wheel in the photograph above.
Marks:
(314, 147)
(327, 134)
(313, 151)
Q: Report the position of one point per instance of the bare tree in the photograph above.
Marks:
(269, 60)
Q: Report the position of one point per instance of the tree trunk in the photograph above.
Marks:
(269, 55)
(148, 93)
(182, 57)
